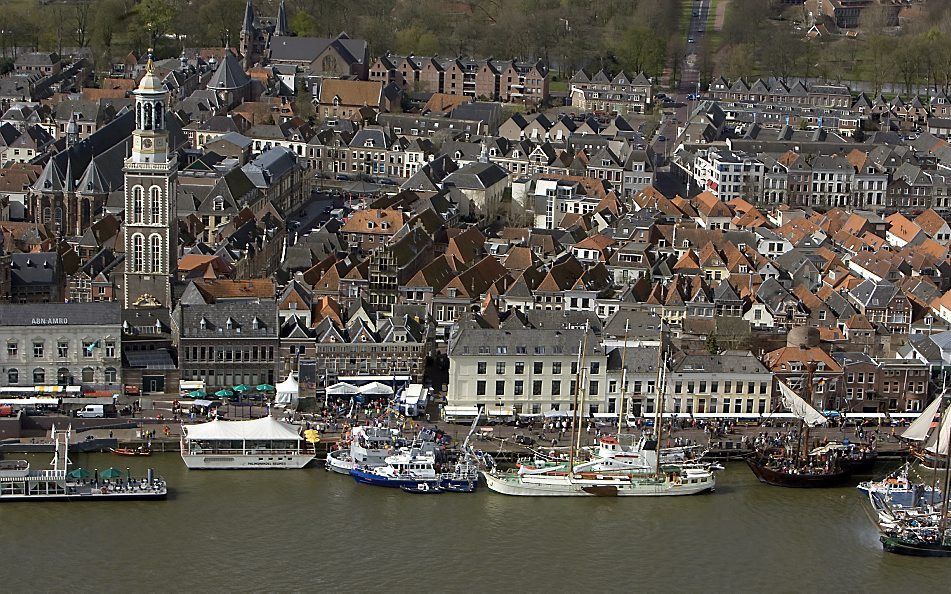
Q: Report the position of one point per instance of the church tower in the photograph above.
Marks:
(151, 216)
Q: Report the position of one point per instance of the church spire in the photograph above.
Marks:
(247, 25)
(281, 29)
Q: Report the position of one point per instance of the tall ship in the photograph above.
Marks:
(922, 530)
(603, 477)
(368, 447)
(799, 466)
(256, 443)
(19, 482)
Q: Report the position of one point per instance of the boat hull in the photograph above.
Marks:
(800, 481)
(341, 463)
(153, 496)
(245, 462)
(377, 480)
(900, 546)
(564, 486)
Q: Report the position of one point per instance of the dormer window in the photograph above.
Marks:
(219, 204)
(369, 143)
(255, 324)
(370, 225)
(203, 324)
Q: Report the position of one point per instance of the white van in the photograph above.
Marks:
(92, 411)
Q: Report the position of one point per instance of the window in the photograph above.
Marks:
(88, 346)
(537, 367)
(62, 349)
(593, 388)
(678, 387)
(39, 376)
(556, 388)
(595, 367)
(37, 349)
(519, 387)
(155, 205)
(574, 368)
(138, 253)
(87, 375)
(480, 388)
(519, 367)
(480, 367)
(110, 349)
(12, 349)
(556, 368)
(138, 204)
(13, 376)
(537, 388)
(500, 388)
(155, 253)
(500, 368)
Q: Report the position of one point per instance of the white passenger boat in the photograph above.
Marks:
(407, 468)
(369, 447)
(257, 443)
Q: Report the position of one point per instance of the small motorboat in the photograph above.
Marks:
(139, 451)
(423, 488)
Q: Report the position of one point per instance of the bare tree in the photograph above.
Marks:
(80, 21)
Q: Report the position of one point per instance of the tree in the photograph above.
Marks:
(711, 344)
(80, 17)
(640, 50)
(155, 17)
(303, 24)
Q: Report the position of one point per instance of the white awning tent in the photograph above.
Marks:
(376, 389)
(342, 389)
(287, 392)
(263, 429)
(460, 412)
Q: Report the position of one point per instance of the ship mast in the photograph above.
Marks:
(574, 416)
(620, 410)
(661, 398)
(943, 523)
(803, 427)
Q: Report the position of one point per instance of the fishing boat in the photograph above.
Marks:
(406, 468)
(139, 451)
(800, 468)
(571, 480)
(368, 447)
(252, 444)
(18, 482)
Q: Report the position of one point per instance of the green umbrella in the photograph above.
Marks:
(111, 473)
(79, 473)
(197, 394)
(265, 388)
(242, 388)
(224, 393)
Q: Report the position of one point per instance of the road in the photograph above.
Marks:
(691, 72)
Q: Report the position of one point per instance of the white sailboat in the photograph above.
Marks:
(570, 480)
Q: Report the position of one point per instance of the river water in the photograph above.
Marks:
(309, 529)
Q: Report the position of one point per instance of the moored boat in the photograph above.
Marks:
(139, 451)
(778, 474)
(423, 488)
(18, 482)
(252, 444)
(403, 469)
(368, 447)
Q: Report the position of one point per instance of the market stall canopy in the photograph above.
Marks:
(342, 389)
(265, 428)
(287, 391)
(376, 388)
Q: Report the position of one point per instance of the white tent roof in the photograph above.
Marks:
(376, 388)
(288, 385)
(266, 428)
(342, 388)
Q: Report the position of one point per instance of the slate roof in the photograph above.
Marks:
(104, 313)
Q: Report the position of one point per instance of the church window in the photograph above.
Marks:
(138, 255)
(155, 253)
(155, 205)
(138, 204)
